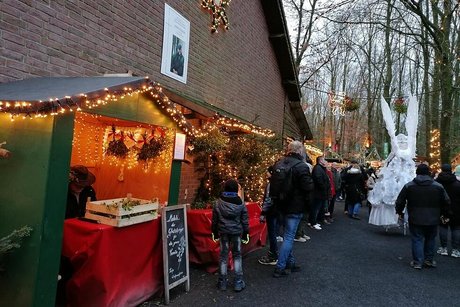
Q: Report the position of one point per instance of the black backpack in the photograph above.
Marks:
(281, 186)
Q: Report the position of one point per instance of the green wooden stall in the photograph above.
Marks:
(34, 179)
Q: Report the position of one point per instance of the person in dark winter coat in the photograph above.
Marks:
(426, 202)
(321, 193)
(230, 223)
(355, 185)
(269, 215)
(452, 186)
(292, 209)
(337, 180)
(80, 190)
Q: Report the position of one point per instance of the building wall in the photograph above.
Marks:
(235, 70)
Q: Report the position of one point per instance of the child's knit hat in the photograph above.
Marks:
(231, 185)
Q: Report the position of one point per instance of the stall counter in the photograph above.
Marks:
(113, 266)
(205, 252)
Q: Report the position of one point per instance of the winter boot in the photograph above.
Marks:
(222, 283)
(239, 284)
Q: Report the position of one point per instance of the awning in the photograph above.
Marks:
(46, 88)
(43, 94)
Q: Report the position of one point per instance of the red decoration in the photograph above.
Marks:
(400, 105)
(105, 258)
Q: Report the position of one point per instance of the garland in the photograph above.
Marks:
(400, 105)
(147, 146)
(11, 242)
(152, 148)
(350, 105)
(116, 147)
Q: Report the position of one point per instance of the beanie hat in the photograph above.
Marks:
(422, 169)
(446, 168)
(231, 185)
(457, 171)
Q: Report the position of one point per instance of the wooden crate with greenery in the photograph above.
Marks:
(120, 212)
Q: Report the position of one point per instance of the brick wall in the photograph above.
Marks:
(235, 70)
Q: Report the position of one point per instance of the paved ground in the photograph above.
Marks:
(348, 263)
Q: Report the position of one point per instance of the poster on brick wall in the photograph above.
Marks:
(176, 35)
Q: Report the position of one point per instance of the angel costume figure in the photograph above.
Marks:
(399, 167)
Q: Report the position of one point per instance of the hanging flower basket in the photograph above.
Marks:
(400, 105)
(152, 147)
(116, 147)
(350, 105)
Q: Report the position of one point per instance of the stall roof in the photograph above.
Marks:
(46, 88)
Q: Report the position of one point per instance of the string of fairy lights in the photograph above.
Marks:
(218, 13)
(91, 140)
(435, 149)
(88, 149)
(55, 106)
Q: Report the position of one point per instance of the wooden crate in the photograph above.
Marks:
(111, 212)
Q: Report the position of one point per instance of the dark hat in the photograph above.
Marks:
(231, 185)
(446, 168)
(80, 175)
(423, 169)
(270, 169)
(354, 162)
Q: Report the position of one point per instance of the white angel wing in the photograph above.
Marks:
(412, 123)
(389, 122)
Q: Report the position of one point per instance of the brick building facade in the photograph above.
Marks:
(246, 72)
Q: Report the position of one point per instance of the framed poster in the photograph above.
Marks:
(176, 36)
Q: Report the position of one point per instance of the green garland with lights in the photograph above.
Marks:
(12, 242)
(221, 156)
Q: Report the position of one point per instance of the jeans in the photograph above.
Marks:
(285, 257)
(455, 233)
(353, 209)
(272, 228)
(317, 211)
(235, 240)
(423, 242)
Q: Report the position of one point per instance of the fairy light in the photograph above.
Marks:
(54, 106)
(435, 149)
(217, 11)
(234, 123)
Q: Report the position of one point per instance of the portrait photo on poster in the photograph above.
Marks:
(174, 58)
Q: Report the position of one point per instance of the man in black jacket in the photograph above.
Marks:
(426, 202)
(452, 186)
(292, 209)
(321, 193)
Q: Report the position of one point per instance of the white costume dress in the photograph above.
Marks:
(399, 167)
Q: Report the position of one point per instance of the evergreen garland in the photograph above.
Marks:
(11, 242)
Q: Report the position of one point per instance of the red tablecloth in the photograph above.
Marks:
(204, 251)
(113, 266)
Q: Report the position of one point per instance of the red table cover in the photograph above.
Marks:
(113, 266)
(204, 251)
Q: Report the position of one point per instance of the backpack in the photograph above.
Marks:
(281, 186)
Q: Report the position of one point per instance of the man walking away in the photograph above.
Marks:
(452, 187)
(321, 193)
(426, 201)
(291, 208)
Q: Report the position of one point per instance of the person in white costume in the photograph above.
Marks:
(398, 169)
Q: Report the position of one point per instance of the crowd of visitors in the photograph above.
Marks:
(300, 198)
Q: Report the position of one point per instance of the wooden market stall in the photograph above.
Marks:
(51, 124)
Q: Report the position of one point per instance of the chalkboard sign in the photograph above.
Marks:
(175, 248)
